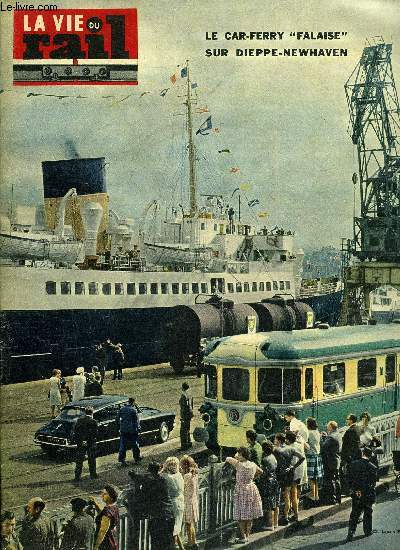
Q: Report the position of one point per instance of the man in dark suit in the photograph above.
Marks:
(78, 533)
(330, 454)
(129, 427)
(86, 439)
(350, 449)
(362, 481)
(186, 411)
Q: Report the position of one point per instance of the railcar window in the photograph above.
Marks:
(93, 288)
(235, 384)
(281, 285)
(279, 385)
(390, 368)
(309, 384)
(261, 287)
(254, 287)
(106, 288)
(230, 288)
(366, 372)
(195, 288)
(175, 288)
(65, 287)
(142, 288)
(51, 287)
(79, 288)
(153, 288)
(130, 288)
(185, 288)
(246, 287)
(275, 285)
(238, 287)
(164, 288)
(268, 285)
(334, 378)
(211, 382)
(119, 288)
(204, 288)
(287, 285)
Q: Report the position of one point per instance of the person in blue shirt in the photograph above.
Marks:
(129, 427)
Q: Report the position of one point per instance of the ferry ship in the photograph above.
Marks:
(122, 282)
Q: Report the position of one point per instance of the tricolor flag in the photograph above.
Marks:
(234, 170)
(173, 78)
(253, 202)
(163, 92)
(194, 85)
(184, 72)
(207, 125)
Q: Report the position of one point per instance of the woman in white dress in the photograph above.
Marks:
(175, 487)
(54, 393)
(79, 382)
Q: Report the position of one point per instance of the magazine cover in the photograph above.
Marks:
(199, 269)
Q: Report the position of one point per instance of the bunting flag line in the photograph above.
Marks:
(234, 170)
(163, 92)
(207, 125)
(184, 72)
(253, 202)
(262, 214)
(224, 151)
(173, 78)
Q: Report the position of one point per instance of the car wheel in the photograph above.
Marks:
(163, 432)
(49, 450)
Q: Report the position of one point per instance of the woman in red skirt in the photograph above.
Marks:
(247, 504)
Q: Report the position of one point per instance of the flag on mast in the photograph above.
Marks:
(207, 125)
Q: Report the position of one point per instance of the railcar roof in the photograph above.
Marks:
(305, 344)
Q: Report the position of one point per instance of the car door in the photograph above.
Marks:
(108, 427)
(149, 420)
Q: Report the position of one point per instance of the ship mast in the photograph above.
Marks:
(191, 148)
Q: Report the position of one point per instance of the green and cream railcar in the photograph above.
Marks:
(250, 380)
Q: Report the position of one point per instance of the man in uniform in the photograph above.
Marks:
(330, 454)
(186, 409)
(78, 533)
(38, 532)
(129, 427)
(362, 481)
(9, 538)
(350, 450)
(86, 438)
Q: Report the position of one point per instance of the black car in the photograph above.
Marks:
(58, 434)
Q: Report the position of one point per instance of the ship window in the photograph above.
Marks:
(195, 288)
(210, 382)
(79, 288)
(281, 285)
(275, 285)
(107, 288)
(238, 287)
(142, 288)
(175, 288)
(261, 287)
(231, 287)
(119, 288)
(287, 285)
(254, 287)
(93, 288)
(268, 285)
(366, 372)
(334, 378)
(51, 287)
(309, 384)
(204, 288)
(279, 385)
(185, 288)
(235, 384)
(65, 287)
(202, 226)
(390, 368)
(130, 288)
(164, 288)
(246, 287)
(153, 288)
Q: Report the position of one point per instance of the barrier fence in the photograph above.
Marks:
(216, 485)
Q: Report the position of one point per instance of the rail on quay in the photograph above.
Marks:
(216, 486)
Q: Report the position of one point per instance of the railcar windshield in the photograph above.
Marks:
(279, 385)
(235, 384)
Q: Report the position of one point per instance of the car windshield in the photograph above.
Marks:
(69, 412)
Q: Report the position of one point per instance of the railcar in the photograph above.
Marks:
(250, 380)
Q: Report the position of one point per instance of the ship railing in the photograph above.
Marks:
(216, 487)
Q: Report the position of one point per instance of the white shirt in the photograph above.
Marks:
(299, 428)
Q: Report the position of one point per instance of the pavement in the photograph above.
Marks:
(325, 527)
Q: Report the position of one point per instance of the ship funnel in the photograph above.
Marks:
(92, 213)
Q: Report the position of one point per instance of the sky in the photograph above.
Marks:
(284, 119)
